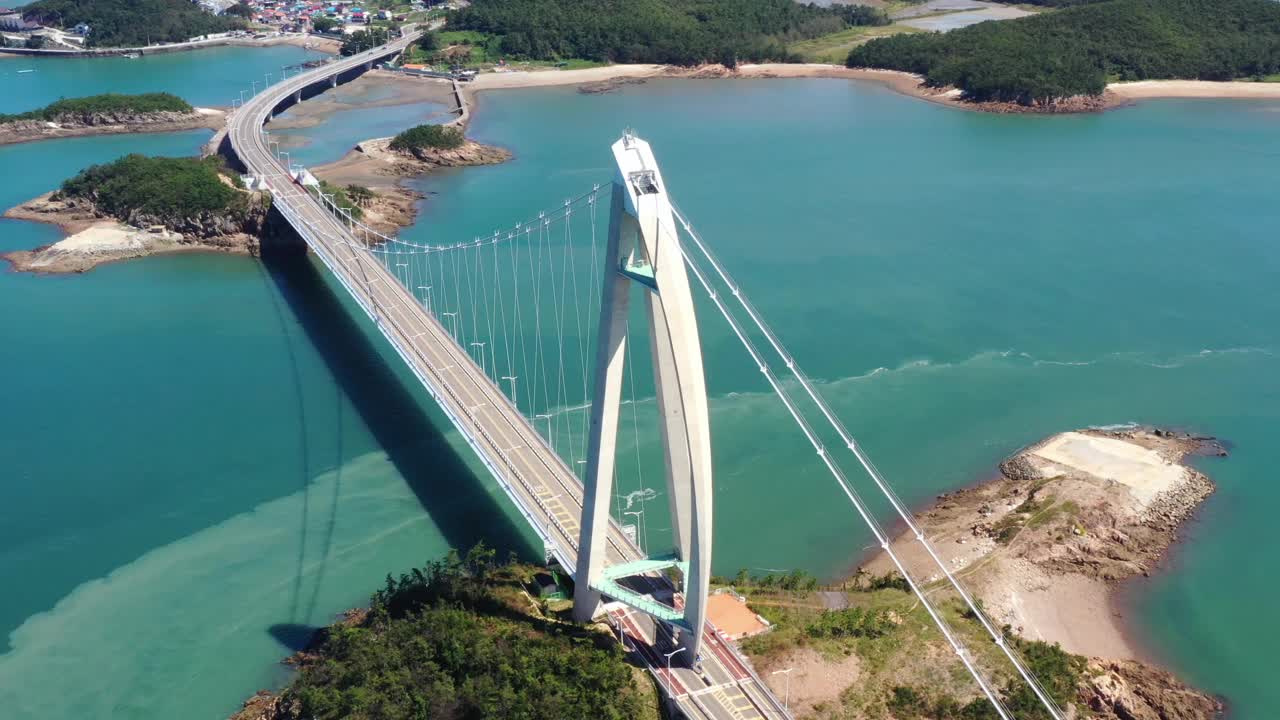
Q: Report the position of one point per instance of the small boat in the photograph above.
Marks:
(133, 55)
(20, 72)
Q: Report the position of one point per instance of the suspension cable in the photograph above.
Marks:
(843, 482)
(863, 459)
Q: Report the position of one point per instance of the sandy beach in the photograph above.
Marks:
(1046, 543)
(1195, 89)
(1118, 94)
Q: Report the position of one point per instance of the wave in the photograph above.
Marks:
(1129, 425)
(641, 495)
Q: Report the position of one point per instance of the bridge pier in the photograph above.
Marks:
(333, 81)
(297, 97)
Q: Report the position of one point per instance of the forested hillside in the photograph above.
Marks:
(86, 108)
(1075, 51)
(680, 32)
(460, 640)
(130, 23)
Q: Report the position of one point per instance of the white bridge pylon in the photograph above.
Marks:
(644, 250)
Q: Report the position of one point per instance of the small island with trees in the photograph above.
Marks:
(139, 205)
(106, 114)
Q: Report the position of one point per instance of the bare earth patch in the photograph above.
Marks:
(815, 682)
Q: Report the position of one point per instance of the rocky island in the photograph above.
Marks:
(138, 206)
(381, 164)
(107, 114)
(1045, 547)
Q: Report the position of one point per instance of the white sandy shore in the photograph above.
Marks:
(1195, 89)
(906, 83)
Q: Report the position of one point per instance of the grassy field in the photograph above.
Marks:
(912, 654)
(834, 48)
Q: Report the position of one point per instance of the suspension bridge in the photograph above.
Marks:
(524, 338)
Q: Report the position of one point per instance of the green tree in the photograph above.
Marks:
(428, 137)
(128, 23)
(240, 9)
(322, 24)
(1041, 59)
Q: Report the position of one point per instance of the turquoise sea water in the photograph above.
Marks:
(202, 455)
(214, 76)
(353, 122)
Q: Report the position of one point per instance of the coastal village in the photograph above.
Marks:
(265, 18)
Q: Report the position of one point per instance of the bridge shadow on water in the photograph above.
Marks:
(395, 409)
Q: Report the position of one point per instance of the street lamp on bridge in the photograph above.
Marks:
(512, 380)
(454, 317)
(677, 651)
(787, 698)
(540, 416)
(426, 303)
(639, 524)
(481, 346)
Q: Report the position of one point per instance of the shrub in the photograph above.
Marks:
(428, 136)
(169, 189)
(438, 642)
(84, 108)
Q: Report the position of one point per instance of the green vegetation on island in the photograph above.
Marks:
(166, 190)
(461, 638)
(678, 32)
(427, 137)
(1042, 59)
(885, 632)
(351, 198)
(85, 109)
(131, 23)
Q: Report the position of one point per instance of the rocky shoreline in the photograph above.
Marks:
(1046, 545)
(94, 238)
(22, 131)
(372, 163)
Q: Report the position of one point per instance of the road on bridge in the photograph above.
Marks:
(542, 487)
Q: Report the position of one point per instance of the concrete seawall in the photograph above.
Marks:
(149, 50)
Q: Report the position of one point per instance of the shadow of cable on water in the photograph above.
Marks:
(396, 412)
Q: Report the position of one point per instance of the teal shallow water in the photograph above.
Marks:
(965, 284)
(202, 454)
(214, 76)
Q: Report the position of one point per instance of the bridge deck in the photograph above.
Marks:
(542, 487)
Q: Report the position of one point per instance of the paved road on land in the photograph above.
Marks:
(542, 487)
